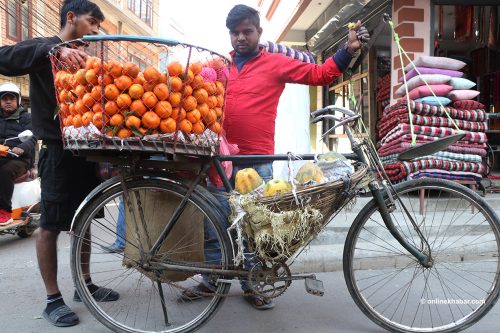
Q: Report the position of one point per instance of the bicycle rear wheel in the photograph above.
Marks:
(395, 291)
(150, 296)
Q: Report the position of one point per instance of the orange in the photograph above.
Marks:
(196, 67)
(188, 90)
(68, 121)
(218, 111)
(80, 108)
(203, 108)
(148, 86)
(123, 101)
(187, 78)
(193, 116)
(210, 117)
(176, 114)
(161, 91)
(175, 83)
(116, 120)
(219, 87)
(209, 87)
(151, 74)
(91, 77)
(163, 78)
(64, 97)
(123, 82)
(198, 127)
(111, 108)
(131, 69)
(220, 100)
(149, 99)
(97, 120)
(136, 91)
(80, 77)
(124, 133)
(87, 118)
(186, 126)
(168, 125)
(96, 93)
(64, 109)
(72, 109)
(215, 127)
(77, 120)
(105, 79)
(212, 101)
(133, 122)
(150, 120)
(114, 68)
(89, 63)
(197, 81)
(139, 79)
(189, 103)
(175, 98)
(163, 109)
(138, 107)
(97, 107)
(87, 100)
(174, 68)
(201, 95)
(111, 92)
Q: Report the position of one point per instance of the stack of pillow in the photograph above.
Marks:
(444, 78)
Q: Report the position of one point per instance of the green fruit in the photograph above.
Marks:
(277, 187)
(307, 172)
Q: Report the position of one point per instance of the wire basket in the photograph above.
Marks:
(277, 226)
(140, 94)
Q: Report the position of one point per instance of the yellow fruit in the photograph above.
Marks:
(307, 172)
(247, 180)
(351, 25)
(331, 156)
(277, 187)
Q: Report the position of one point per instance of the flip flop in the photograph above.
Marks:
(259, 302)
(196, 292)
(100, 295)
(61, 316)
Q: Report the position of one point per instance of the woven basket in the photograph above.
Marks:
(297, 219)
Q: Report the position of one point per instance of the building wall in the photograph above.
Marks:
(412, 22)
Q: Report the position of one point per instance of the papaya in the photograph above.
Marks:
(277, 187)
(247, 180)
(307, 172)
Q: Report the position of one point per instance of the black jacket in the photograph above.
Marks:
(10, 127)
(32, 57)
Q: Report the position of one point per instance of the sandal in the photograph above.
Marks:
(197, 292)
(259, 302)
(62, 316)
(100, 295)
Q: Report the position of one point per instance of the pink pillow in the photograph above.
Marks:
(420, 80)
(457, 95)
(427, 70)
(436, 62)
(468, 104)
(438, 89)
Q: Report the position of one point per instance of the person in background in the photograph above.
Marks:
(255, 83)
(65, 179)
(14, 119)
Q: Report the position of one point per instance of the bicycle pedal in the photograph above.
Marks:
(314, 287)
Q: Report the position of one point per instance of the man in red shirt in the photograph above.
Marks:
(255, 83)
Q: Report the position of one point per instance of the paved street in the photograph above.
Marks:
(22, 296)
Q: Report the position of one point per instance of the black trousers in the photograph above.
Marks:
(10, 169)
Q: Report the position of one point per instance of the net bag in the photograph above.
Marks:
(275, 227)
(139, 93)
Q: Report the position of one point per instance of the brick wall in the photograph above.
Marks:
(412, 22)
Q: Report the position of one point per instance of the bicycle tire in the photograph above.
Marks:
(140, 305)
(395, 291)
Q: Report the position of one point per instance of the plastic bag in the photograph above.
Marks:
(225, 148)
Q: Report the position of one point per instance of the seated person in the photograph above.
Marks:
(14, 119)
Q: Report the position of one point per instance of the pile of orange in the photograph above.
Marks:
(121, 100)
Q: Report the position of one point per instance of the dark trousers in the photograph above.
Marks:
(10, 169)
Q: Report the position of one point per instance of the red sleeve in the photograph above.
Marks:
(294, 71)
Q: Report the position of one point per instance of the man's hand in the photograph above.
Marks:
(18, 151)
(73, 58)
(357, 36)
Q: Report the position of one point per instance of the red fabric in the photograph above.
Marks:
(252, 97)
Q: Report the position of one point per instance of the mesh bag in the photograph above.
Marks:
(277, 226)
(140, 93)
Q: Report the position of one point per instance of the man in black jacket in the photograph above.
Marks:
(65, 179)
(14, 119)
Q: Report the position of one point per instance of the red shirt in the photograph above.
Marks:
(253, 94)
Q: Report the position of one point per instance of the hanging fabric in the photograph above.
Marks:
(464, 23)
(492, 27)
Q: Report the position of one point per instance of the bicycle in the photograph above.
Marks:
(412, 245)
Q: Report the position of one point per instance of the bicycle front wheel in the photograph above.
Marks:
(151, 297)
(394, 290)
